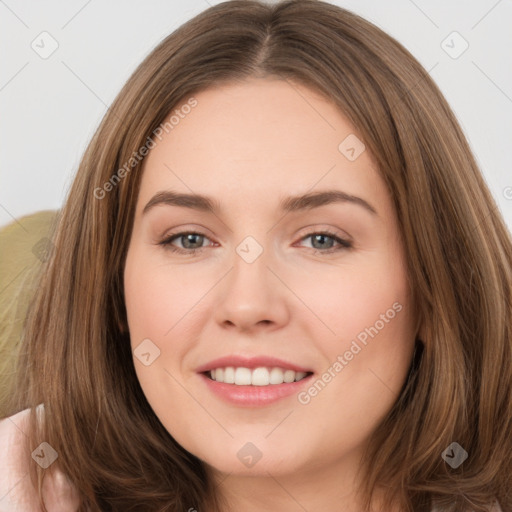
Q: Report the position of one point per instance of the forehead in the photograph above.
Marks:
(257, 139)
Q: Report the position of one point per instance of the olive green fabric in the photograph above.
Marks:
(24, 246)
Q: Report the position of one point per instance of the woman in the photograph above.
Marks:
(338, 339)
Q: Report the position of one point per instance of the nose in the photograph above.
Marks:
(251, 297)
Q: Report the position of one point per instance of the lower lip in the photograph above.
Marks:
(254, 396)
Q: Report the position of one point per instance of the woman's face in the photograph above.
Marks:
(250, 279)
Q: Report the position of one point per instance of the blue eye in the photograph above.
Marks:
(192, 242)
(322, 237)
(189, 242)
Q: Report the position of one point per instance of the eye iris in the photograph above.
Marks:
(191, 237)
(322, 238)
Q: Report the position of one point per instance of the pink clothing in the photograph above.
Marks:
(17, 493)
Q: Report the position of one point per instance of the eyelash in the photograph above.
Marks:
(167, 242)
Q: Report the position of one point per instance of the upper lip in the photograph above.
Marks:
(250, 362)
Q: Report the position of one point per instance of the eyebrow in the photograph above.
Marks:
(288, 204)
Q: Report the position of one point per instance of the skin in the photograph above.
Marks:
(248, 145)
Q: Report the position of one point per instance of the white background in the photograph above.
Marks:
(50, 108)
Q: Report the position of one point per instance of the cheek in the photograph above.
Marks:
(378, 322)
(368, 360)
(158, 296)
(157, 299)
(367, 316)
(373, 305)
(346, 300)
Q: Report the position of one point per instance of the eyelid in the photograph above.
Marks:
(327, 229)
(342, 241)
(185, 230)
(169, 237)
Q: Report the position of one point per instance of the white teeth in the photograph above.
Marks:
(299, 375)
(276, 376)
(260, 376)
(242, 377)
(229, 375)
(289, 376)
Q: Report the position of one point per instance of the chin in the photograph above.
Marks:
(255, 460)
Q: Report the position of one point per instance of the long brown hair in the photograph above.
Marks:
(76, 356)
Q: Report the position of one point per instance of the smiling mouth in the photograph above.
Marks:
(261, 376)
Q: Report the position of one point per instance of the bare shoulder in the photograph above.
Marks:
(16, 490)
